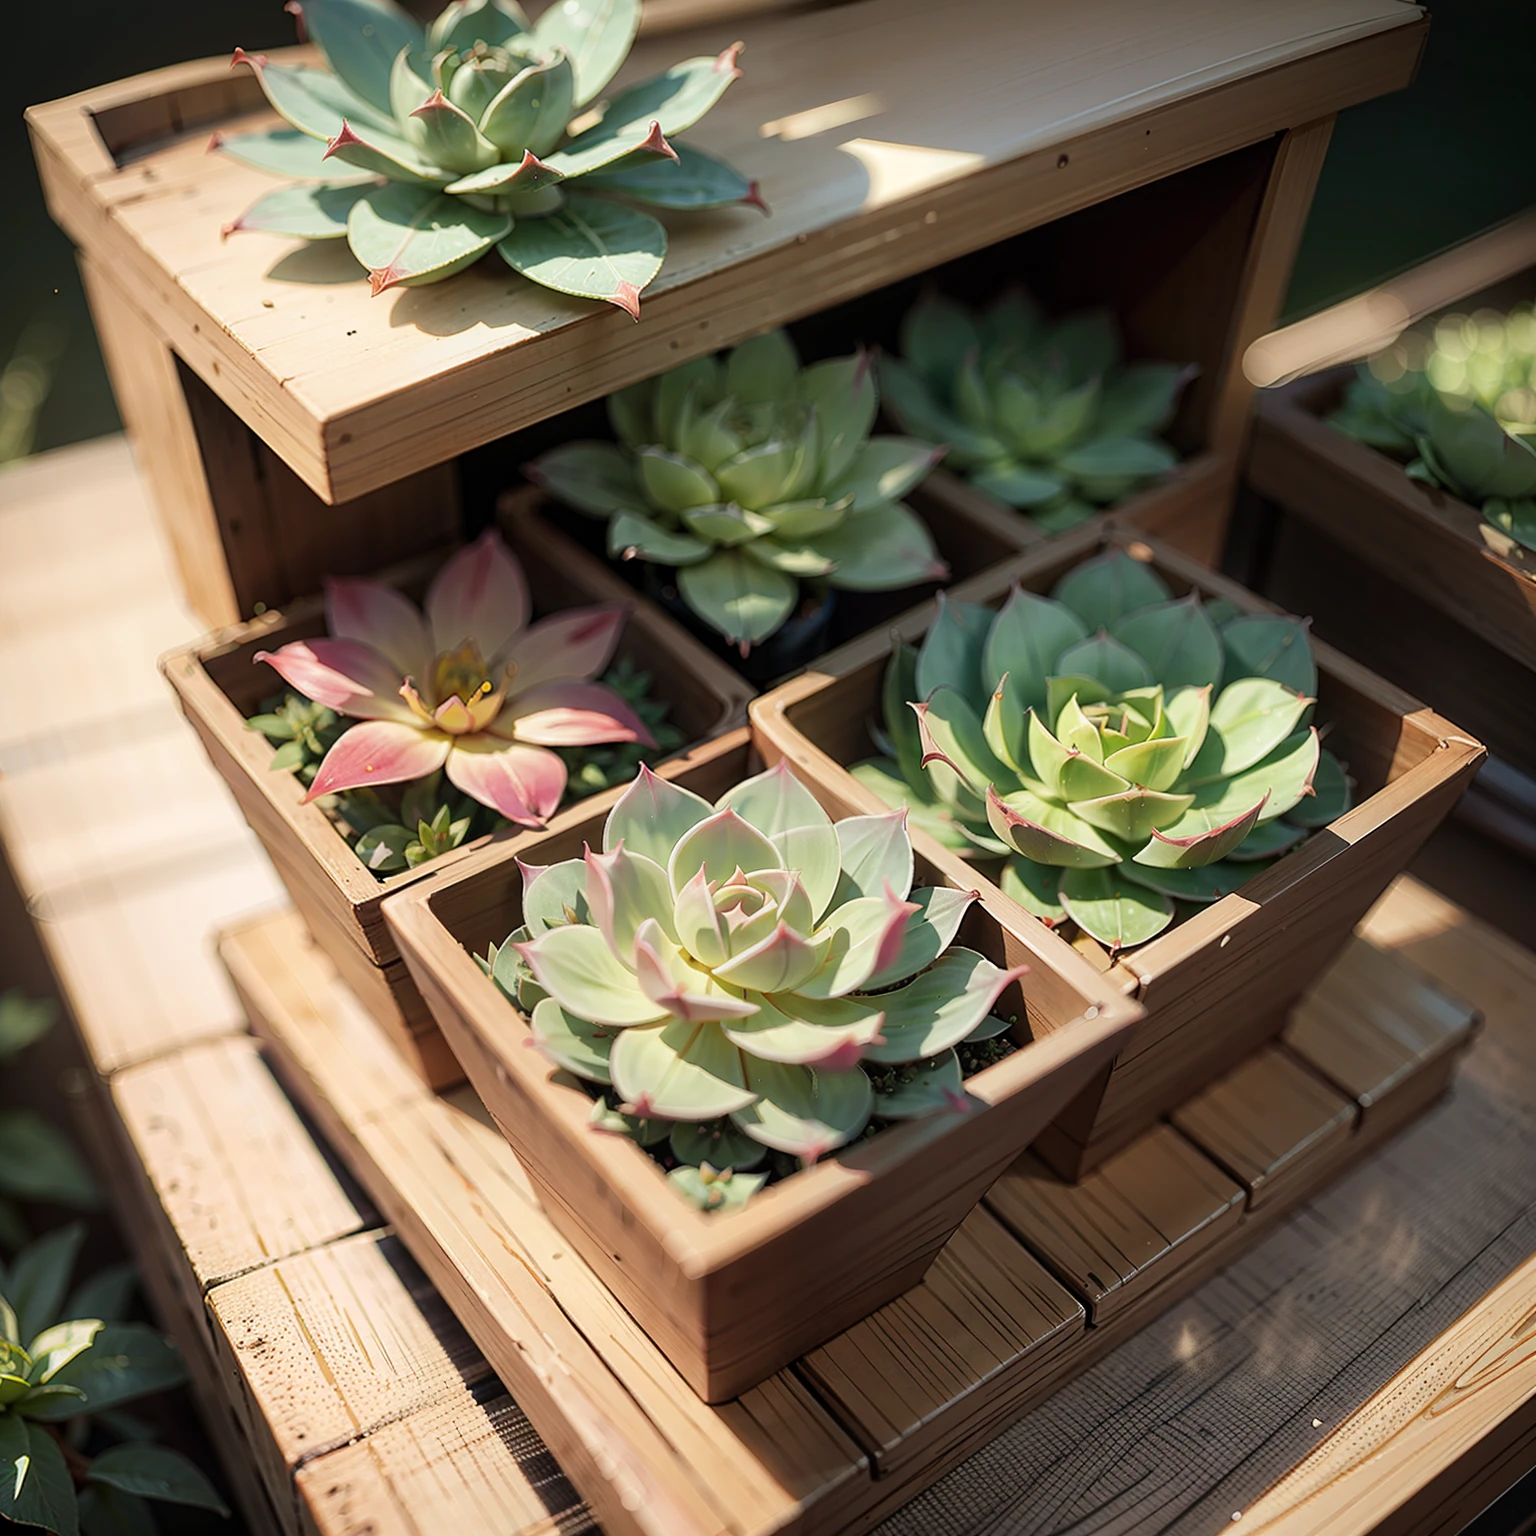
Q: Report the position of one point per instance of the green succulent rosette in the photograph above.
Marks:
(738, 980)
(1122, 750)
(1457, 404)
(1043, 414)
(751, 474)
(426, 149)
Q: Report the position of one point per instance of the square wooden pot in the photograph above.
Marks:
(1221, 983)
(731, 1299)
(219, 686)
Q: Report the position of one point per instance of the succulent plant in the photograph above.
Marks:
(1041, 414)
(750, 474)
(1457, 403)
(733, 973)
(426, 149)
(469, 688)
(1121, 748)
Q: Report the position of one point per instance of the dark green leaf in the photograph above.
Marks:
(35, 1485)
(591, 249)
(107, 1294)
(37, 1162)
(22, 1020)
(156, 1472)
(360, 40)
(109, 1512)
(127, 1360)
(407, 236)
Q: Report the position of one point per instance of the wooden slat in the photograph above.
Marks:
(884, 148)
(1115, 1235)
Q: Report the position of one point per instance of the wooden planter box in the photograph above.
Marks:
(219, 686)
(731, 1300)
(1221, 983)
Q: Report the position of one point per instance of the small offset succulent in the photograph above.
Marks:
(749, 474)
(737, 975)
(68, 1365)
(469, 687)
(1041, 414)
(1457, 404)
(425, 150)
(1121, 748)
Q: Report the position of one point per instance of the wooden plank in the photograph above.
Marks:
(1117, 1233)
(881, 158)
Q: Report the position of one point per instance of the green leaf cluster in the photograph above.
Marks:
(426, 148)
(1043, 414)
(1456, 402)
(751, 474)
(66, 1356)
(1125, 751)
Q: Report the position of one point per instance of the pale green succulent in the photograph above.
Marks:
(749, 474)
(1122, 749)
(1041, 414)
(426, 149)
(1457, 403)
(732, 975)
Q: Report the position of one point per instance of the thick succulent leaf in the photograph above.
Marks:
(898, 687)
(529, 113)
(624, 889)
(1108, 587)
(1140, 398)
(917, 411)
(1178, 642)
(412, 235)
(787, 1029)
(1115, 910)
(511, 178)
(596, 478)
(792, 559)
(1268, 840)
(956, 757)
(780, 962)
(1154, 764)
(1062, 690)
(805, 1111)
(1516, 518)
(694, 180)
(553, 895)
(717, 1143)
(780, 807)
(676, 99)
(632, 535)
(574, 1043)
(720, 844)
(1048, 833)
(762, 370)
(1062, 515)
(463, 23)
(316, 102)
(937, 335)
(875, 852)
(1132, 814)
(382, 155)
(742, 598)
(952, 650)
(577, 968)
(726, 523)
(361, 40)
(1265, 645)
(1058, 424)
(1249, 719)
(674, 482)
(591, 248)
(1107, 661)
(1019, 485)
(596, 35)
(861, 937)
(928, 932)
(679, 1071)
(668, 977)
(758, 476)
(1085, 343)
(884, 470)
(1069, 770)
(647, 1132)
(1282, 776)
(1027, 636)
(652, 815)
(1108, 459)
(304, 212)
(1075, 731)
(1332, 794)
(938, 1009)
(1004, 727)
(1472, 454)
(934, 1087)
(287, 152)
(726, 1190)
(1200, 886)
(842, 392)
(1036, 888)
(1197, 839)
(1187, 713)
(443, 135)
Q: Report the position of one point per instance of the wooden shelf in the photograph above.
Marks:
(885, 141)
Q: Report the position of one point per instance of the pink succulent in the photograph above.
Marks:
(470, 686)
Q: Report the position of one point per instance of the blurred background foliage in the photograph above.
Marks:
(1406, 176)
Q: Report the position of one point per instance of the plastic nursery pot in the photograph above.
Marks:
(219, 686)
(1219, 984)
(732, 1297)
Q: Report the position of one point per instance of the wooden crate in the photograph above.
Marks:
(729, 1302)
(219, 686)
(1033, 1288)
(884, 148)
(1221, 983)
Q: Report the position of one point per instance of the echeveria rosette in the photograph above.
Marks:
(425, 149)
(1122, 749)
(750, 474)
(1042, 414)
(727, 972)
(469, 686)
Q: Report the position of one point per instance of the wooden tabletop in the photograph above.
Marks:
(1369, 1364)
(888, 136)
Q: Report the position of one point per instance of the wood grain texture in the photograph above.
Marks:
(944, 150)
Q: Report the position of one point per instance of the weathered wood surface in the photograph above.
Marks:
(883, 145)
(1191, 1420)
